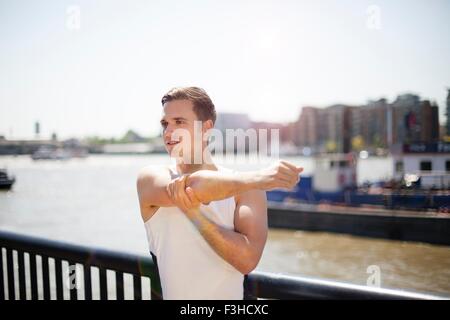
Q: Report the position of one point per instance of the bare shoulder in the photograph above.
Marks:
(151, 188)
(148, 174)
(152, 170)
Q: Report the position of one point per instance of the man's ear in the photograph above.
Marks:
(208, 124)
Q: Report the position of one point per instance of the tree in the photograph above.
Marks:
(357, 143)
(331, 146)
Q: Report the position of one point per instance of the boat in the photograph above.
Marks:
(421, 181)
(6, 181)
(47, 153)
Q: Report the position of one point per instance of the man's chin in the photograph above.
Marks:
(174, 153)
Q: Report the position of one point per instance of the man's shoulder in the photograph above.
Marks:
(151, 183)
(151, 172)
(154, 169)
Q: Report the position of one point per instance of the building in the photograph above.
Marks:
(324, 129)
(228, 120)
(371, 122)
(414, 120)
(429, 131)
(339, 127)
(448, 113)
(376, 126)
(305, 129)
(232, 122)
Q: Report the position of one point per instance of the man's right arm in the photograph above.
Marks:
(155, 190)
(154, 183)
(151, 187)
(211, 185)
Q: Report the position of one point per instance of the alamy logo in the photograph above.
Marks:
(73, 277)
(258, 143)
(374, 279)
(373, 21)
(73, 17)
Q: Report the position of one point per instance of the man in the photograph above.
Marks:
(206, 225)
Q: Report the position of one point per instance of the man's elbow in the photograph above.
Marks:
(248, 265)
(198, 185)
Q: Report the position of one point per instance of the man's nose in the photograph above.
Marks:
(168, 132)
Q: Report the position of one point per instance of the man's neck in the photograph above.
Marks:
(191, 168)
(184, 168)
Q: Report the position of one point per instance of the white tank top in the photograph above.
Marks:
(188, 267)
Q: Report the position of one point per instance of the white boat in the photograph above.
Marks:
(46, 153)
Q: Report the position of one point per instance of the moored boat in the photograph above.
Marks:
(6, 181)
(421, 181)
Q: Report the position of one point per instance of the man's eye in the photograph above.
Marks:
(164, 124)
(179, 122)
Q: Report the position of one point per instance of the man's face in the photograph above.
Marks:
(179, 114)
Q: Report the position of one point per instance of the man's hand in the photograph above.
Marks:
(183, 197)
(280, 175)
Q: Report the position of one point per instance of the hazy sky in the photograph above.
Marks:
(266, 58)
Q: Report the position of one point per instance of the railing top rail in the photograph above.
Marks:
(282, 286)
(262, 284)
(102, 258)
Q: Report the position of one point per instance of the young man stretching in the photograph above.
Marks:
(206, 225)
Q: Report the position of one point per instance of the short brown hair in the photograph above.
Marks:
(203, 105)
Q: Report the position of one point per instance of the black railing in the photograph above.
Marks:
(33, 268)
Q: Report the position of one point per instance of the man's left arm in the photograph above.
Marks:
(241, 247)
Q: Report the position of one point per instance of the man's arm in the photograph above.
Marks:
(151, 187)
(243, 246)
(155, 187)
(154, 183)
(209, 185)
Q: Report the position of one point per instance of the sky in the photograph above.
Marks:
(84, 68)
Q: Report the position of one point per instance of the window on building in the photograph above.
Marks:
(447, 165)
(399, 166)
(425, 166)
